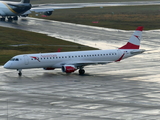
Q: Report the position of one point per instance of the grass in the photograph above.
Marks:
(118, 17)
(13, 42)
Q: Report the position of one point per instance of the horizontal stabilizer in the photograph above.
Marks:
(137, 51)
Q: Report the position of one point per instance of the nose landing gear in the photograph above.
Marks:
(19, 72)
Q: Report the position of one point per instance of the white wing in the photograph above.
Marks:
(85, 63)
(47, 9)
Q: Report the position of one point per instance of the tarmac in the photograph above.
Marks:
(128, 90)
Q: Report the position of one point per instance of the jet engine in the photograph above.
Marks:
(69, 68)
(49, 68)
(48, 13)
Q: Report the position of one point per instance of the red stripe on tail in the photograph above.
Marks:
(129, 46)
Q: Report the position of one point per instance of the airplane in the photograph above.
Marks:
(12, 10)
(71, 61)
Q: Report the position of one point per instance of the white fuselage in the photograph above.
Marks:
(71, 61)
(4, 10)
(58, 59)
(13, 8)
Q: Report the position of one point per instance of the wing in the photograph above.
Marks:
(85, 63)
(47, 10)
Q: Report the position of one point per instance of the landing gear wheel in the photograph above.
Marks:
(10, 19)
(20, 74)
(3, 19)
(15, 18)
(81, 71)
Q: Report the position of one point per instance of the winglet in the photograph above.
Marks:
(134, 41)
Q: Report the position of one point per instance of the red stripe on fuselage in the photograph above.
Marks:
(120, 58)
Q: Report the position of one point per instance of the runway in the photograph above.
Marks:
(129, 90)
(113, 92)
(95, 4)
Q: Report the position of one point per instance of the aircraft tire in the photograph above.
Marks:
(3, 19)
(10, 19)
(20, 74)
(81, 71)
(15, 18)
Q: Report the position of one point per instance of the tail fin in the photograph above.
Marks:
(25, 1)
(134, 41)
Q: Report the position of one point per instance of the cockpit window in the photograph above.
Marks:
(14, 59)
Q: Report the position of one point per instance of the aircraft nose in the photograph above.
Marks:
(7, 65)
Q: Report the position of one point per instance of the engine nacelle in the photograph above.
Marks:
(49, 68)
(48, 13)
(69, 68)
(26, 15)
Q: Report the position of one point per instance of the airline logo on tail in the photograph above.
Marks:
(134, 41)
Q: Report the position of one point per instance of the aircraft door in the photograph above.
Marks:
(26, 59)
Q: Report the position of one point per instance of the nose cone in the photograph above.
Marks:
(7, 65)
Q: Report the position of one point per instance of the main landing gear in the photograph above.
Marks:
(10, 18)
(2, 19)
(81, 71)
(19, 72)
